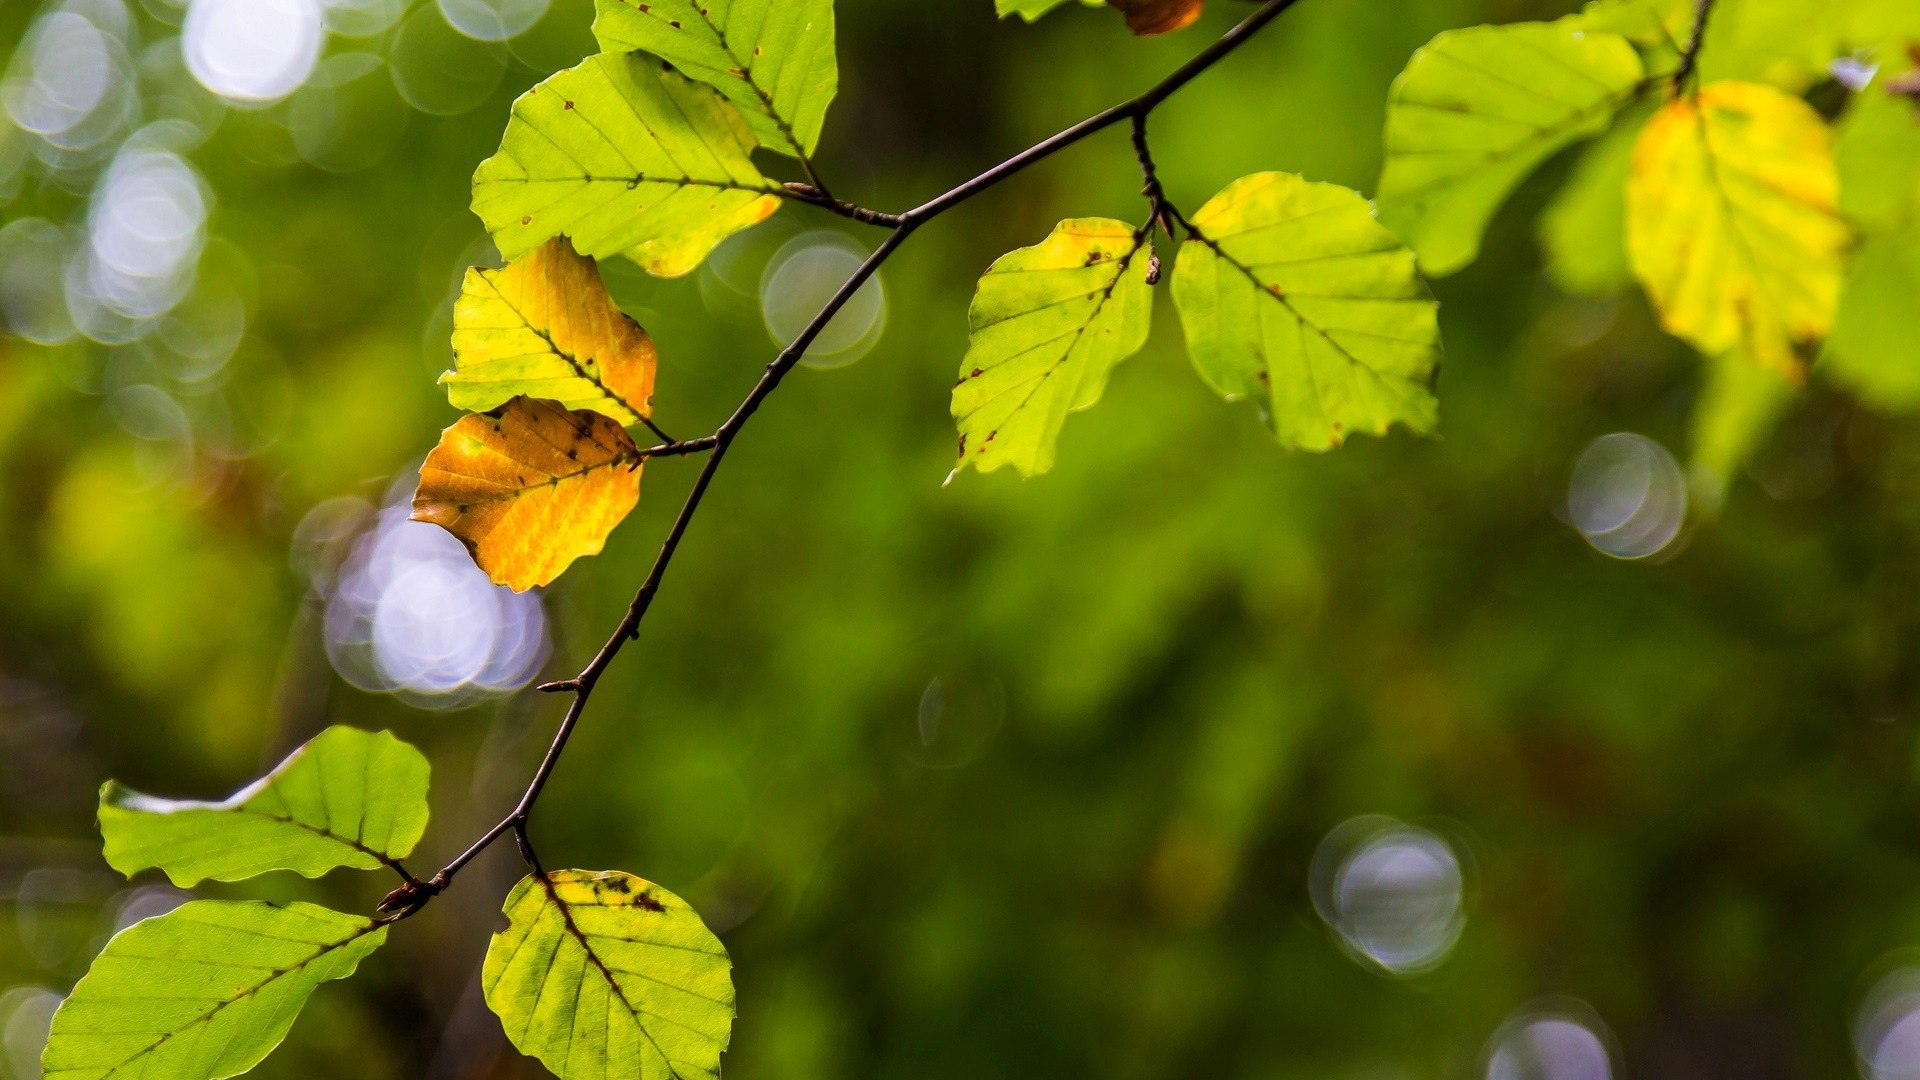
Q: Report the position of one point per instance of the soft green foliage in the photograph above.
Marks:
(1033, 9)
(626, 159)
(1583, 230)
(603, 975)
(1476, 110)
(1871, 350)
(1294, 296)
(772, 58)
(1738, 407)
(1049, 323)
(347, 798)
(202, 992)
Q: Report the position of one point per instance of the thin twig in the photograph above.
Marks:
(1690, 58)
(902, 226)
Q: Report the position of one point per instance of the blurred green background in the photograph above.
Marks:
(990, 779)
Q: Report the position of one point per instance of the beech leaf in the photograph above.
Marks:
(1731, 222)
(530, 487)
(1146, 17)
(1049, 323)
(203, 992)
(1476, 111)
(347, 798)
(1294, 296)
(625, 158)
(603, 975)
(544, 327)
(772, 58)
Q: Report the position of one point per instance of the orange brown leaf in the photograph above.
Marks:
(530, 487)
(1146, 17)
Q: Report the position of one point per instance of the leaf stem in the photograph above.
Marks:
(903, 226)
(1690, 57)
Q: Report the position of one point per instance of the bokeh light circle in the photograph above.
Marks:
(34, 254)
(252, 50)
(1396, 894)
(1627, 496)
(1556, 1040)
(493, 20)
(1886, 1030)
(408, 612)
(799, 280)
(440, 71)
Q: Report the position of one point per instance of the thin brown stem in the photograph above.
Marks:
(1690, 57)
(903, 226)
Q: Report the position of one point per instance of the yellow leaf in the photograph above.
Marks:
(1731, 223)
(530, 487)
(544, 327)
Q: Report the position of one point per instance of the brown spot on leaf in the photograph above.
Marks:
(647, 903)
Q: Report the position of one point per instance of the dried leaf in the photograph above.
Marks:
(530, 487)
(1146, 17)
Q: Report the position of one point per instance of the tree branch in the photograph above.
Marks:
(1690, 57)
(902, 226)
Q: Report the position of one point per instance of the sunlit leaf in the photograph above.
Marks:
(544, 327)
(1049, 323)
(1738, 408)
(1877, 153)
(1731, 223)
(1476, 110)
(204, 991)
(1031, 10)
(772, 58)
(1295, 297)
(1583, 231)
(605, 975)
(530, 487)
(347, 798)
(626, 159)
(1872, 350)
(1159, 16)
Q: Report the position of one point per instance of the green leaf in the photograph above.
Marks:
(348, 798)
(1583, 231)
(1877, 152)
(1294, 296)
(772, 58)
(1738, 408)
(1049, 323)
(544, 327)
(204, 991)
(1031, 10)
(1871, 349)
(625, 158)
(1476, 110)
(606, 975)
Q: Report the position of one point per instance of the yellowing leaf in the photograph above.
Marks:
(544, 327)
(1731, 223)
(1158, 16)
(625, 158)
(347, 798)
(1477, 110)
(530, 487)
(605, 975)
(1294, 296)
(772, 58)
(203, 992)
(1049, 323)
